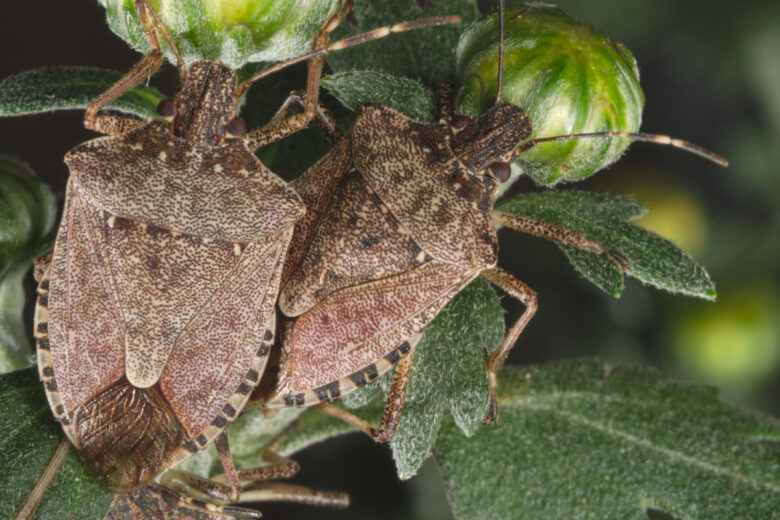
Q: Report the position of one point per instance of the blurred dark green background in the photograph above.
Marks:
(711, 74)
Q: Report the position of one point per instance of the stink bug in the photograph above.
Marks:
(155, 317)
(399, 219)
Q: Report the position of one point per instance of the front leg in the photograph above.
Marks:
(113, 125)
(561, 235)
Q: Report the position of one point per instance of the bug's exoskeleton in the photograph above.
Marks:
(399, 219)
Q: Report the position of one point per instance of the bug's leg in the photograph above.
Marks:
(33, 500)
(323, 119)
(109, 124)
(283, 127)
(393, 405)
(223, 449)
(527, 296)
(257, 488)
(283, 492)
(157, 501)
(260, 490)
(559, 234)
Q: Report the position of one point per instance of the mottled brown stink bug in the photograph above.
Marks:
(400, 219)
(156, 314)
(156, 309)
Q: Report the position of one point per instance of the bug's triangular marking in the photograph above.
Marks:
(355, 244)
(398, 156)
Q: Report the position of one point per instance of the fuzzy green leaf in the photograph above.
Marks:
(449, 373)
(580, 440)
(427, 55)
(63, 88)
(654, 260)
(28, 438)
(27, 213)
(406, 95)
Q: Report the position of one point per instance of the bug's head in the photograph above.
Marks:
(204, 109)
(485, 144)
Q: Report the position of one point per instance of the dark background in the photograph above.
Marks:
(711, 74)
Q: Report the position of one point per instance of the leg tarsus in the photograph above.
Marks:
(149, 64)
(527, 296)
(395, 400)
(223, 449)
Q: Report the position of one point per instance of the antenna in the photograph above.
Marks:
(349, 42)
(634, 136)
(500, 52)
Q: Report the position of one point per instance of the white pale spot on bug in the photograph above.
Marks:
(111, 221)
(136, 146)
(217, 168)
(237, 249)
(163, 156)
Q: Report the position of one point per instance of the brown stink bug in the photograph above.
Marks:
(399, 220)
(156, 314)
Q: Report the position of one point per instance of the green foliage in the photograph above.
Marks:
(27, 213)
(580, 440)
(427, 55)
(65, 88)
(575, 440)
(354, 88)
(28, 437)
(654, 260)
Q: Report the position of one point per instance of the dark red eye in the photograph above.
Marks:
(478, 165)
(177, 129)
(236, 127)
(460, 122)
(166, 108)
(501, 171)
(215, 138)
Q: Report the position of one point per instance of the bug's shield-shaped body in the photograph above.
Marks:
(396, 225)
(156, 317)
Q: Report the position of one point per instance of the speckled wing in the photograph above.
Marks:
(86, 336)
(150, 176)
(412, 169)
(228, 339)
(352, 328)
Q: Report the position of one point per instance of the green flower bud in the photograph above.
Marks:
(234, 32)
(569, 78)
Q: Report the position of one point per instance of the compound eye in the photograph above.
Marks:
(236, 127)
(458, 123)
(167, 109)
(500, 171)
